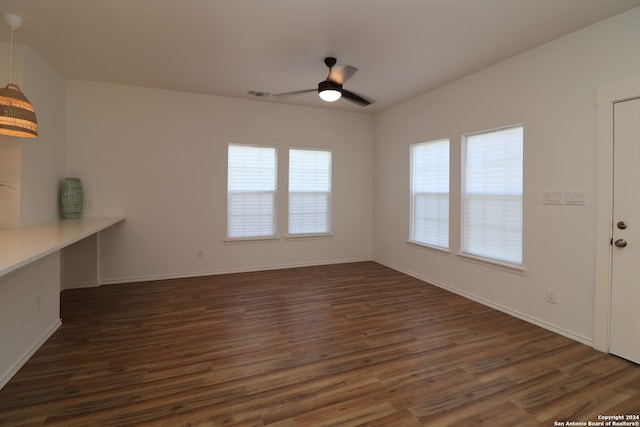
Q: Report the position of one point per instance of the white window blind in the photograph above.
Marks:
(430, 193)
(492, 196)
(309, 191)
(251, 192)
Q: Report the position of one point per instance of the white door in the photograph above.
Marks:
(624, 335)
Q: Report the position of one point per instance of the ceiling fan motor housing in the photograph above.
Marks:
(329, 85)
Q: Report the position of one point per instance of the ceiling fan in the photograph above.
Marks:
(330, 89)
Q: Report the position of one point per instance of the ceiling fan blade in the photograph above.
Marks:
(342, 73)
(355, 98)
(295, 92)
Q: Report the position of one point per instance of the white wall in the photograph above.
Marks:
(10, 177)
(29, 312)
(43, 158)
(159, 158)
(34, 166)
(552, 91)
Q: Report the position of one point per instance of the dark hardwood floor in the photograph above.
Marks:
(341, 345)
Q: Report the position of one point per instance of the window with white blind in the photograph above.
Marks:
(251, 192)
(492, 195)
(309, 192)
(429, 220)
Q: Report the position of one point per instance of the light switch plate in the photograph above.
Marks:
(552, 198)
(575, 198)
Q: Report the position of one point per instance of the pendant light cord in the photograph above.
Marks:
(11, 58)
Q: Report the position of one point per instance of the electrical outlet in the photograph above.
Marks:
(199, 253)
(551, 296)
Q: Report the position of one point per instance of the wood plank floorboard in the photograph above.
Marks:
(352, 344)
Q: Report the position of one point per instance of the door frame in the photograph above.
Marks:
(606, 98)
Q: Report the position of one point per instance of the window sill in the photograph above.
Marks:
(510, 268)
(425, 246)
(239, 240)
(309, 236)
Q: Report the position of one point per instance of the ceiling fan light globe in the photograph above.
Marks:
(329, 90)
(330, 95)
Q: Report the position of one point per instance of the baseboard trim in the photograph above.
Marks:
(506, 310)
(6, 377)
(79, 285)
(227, 271)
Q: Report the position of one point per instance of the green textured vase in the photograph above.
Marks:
(72, 198)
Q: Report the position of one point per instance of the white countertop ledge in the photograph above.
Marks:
(20, 246)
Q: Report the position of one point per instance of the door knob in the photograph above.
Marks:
(621, 243)
(622, 225)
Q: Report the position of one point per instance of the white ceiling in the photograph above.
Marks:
(227, 47)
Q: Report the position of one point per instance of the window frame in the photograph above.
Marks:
(413, 219)
(274, 192)
(480, 257)
(329, 196)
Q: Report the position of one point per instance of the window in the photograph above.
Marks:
(309, 192)
(430, 193)
(492, 195)
(251, 192)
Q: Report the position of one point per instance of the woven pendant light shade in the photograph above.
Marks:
(17, 116)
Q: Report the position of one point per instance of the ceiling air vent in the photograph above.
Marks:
(258, 93)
